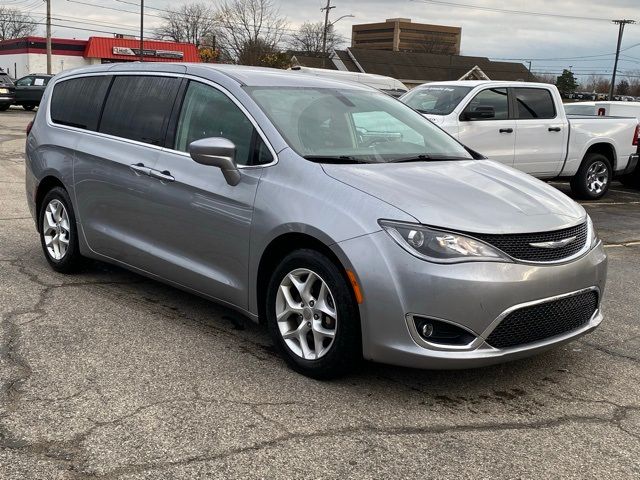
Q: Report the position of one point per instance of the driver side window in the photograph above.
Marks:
(495, 98)
(25, 82)
(207, 112)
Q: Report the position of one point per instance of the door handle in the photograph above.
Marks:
(140, 169)
(554, 129)
(164, 176)
(506, 130)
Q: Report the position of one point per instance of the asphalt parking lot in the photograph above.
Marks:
(106, 374)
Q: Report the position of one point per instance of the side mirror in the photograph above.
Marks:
(480, 113)
(217, 152)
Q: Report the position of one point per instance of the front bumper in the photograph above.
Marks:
(474, 295)
(6, 99)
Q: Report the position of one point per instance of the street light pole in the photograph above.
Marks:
(48, 37)
(142, 30)
(324, 31)
(621, 23)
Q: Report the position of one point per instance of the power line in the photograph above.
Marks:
(510, 11)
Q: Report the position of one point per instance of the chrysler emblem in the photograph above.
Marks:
(557, 244)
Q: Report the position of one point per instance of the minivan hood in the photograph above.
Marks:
(467, 195)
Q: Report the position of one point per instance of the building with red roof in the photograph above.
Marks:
(22, 56)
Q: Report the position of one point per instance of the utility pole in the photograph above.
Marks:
(48, 37)
(142, 30)
(529, 75)
(324, 32)
(621, 23)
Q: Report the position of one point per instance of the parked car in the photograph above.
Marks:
(580, 108)
(385, 84)
(29, 90)
(524, 125)
(623, 109)
(7, 91)
(337, 215)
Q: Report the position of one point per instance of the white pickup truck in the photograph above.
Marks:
(524, 125)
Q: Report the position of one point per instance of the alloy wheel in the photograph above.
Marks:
(306, 314)
(597, 177)
(56, 229)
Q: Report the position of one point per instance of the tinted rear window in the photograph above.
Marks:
(138, 107)
(77, 102)
(534, 103)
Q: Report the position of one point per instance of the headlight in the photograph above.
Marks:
(593, 236)
(4, 90)
(440, 246)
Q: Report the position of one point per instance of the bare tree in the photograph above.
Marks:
(15, 24)
(190, 23)
(308, 38)
(249, 30)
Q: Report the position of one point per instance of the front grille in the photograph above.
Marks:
(518, 245)
(544, 320)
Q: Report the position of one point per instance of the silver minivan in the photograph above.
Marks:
(349, 224)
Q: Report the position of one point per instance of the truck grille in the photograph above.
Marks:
(544, 320)
(518, 245)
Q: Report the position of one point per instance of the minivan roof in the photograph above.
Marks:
(244, 75)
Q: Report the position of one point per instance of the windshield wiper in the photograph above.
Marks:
(332, 159)
(424, 158)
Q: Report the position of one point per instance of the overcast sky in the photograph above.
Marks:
(498, 35)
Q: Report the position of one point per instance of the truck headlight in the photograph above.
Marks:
(440, 246)
(4, 90)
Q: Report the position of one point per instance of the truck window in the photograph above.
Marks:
(535, 103)
(495, 98)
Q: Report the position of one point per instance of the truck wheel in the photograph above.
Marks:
(28, 107)
(4, 107)
(593, 178)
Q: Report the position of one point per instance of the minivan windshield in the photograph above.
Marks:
(435, 99)
(353, 126)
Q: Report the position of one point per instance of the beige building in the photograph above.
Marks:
(402, 35)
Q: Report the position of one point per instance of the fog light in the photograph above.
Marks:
(427, 330)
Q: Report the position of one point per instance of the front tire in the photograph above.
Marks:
(312, 316)
(593, 178)
(58, 231)
(28, 107)
(5, 107)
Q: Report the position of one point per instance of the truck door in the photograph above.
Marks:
(541, 132)
(486, 125)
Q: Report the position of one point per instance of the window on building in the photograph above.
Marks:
(77, 102)
(535, 103)
(138, 107)
(207, 112)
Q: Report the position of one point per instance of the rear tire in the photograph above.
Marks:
(593, 178)
(58, 231)
(28, 107)
(323, 326)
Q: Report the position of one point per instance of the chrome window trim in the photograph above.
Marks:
(210, 83)
(480, 342)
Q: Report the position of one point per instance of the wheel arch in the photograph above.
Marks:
(44, 186)
(277, 250)
(603, 148)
